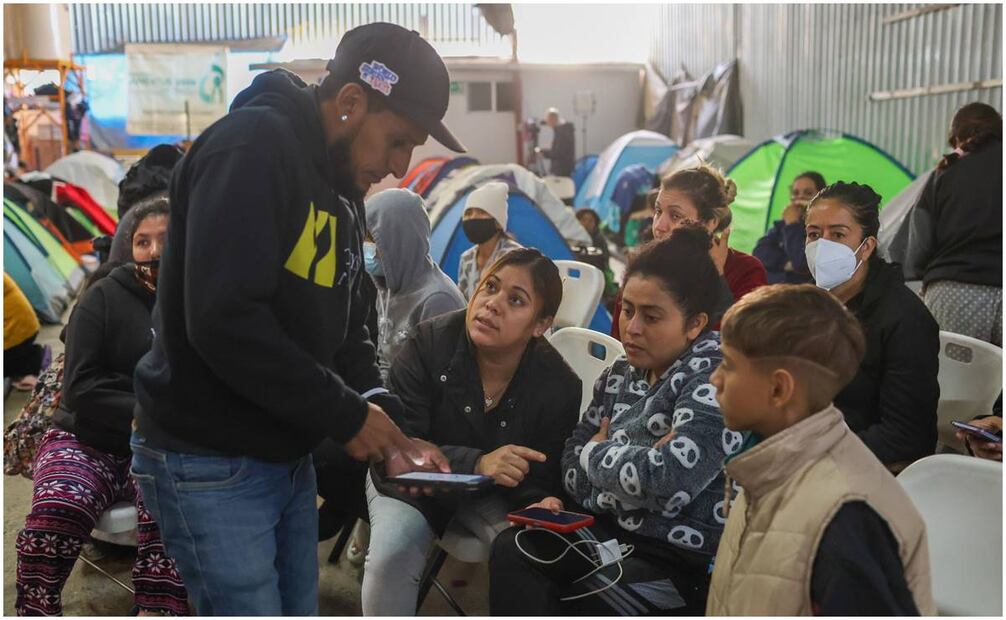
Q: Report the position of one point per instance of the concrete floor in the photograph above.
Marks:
(88, 593)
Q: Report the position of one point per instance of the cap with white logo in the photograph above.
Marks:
(404, 68)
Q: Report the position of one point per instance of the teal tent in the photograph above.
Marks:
(45, 288)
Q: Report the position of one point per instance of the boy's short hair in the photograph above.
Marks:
(803, 329)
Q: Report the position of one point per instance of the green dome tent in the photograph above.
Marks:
(763, 176)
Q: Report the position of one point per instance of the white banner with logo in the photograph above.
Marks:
(175, 90)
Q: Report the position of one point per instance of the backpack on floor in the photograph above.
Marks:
(22, 436)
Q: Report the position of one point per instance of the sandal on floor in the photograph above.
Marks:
(26, 383)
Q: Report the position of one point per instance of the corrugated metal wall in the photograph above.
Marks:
(805, 66)
(100, 28)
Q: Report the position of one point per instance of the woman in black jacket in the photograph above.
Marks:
(955, 241)
(891, 402)
(82, 464)
(487, 388)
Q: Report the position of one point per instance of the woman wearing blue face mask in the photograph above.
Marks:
(891, 402)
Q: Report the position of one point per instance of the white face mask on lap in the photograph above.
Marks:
(832, 264)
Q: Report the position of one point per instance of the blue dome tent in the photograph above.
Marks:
(582, 168)
(648, 148)
(526, 222)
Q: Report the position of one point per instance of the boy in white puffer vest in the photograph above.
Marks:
(820, 527)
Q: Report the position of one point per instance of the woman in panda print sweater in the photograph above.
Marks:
(646, 460)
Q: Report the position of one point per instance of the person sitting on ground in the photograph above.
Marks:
(955, 240)
(471, 382)
(484, 223)
(820, 526)
(645, 460)
(781, 249)
(702, 195)
(23, 359)
(891, 402)
(82, 465)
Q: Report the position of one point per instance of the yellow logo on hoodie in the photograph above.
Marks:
(304, 259)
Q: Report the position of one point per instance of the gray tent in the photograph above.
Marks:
(894, 223)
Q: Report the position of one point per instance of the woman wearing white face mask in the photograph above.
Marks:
(891, 403)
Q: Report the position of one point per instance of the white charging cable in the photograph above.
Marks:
(615, 554)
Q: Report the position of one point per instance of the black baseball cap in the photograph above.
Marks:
(402, 66)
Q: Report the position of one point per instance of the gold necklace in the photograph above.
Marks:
(491, 399)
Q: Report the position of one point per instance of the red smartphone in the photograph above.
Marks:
(564, 522)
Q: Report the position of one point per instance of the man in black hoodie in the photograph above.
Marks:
(261, 349)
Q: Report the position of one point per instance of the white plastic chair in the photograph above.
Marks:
(582, 286)
(960, 499)
(970, 379)
(117, 525)
(562, 187)
(588, 353)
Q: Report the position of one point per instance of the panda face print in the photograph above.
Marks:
(618, 409)
(659, 424)
(719, 514)
(731, 441)
(607, 501)
(620, 436)
(685, 450)
(639, 388)
(631, 522)
(612, 455)
(676, 380)
(682, 416)
(699, 364)
(569, 481)
(614, 385)
(706, 345)
(656, 458)
(684, 536)
(675, 504)
(706, 394)
(593, 415)
(629, 478)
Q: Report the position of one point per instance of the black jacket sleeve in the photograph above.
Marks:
(857, 570)
(545, 479)
(233, 265)
(411, 381)
(769, 249)
(909, 391)
(100, 398)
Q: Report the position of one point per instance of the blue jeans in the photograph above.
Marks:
(244, 532)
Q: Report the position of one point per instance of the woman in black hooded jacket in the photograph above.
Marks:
(82, 464)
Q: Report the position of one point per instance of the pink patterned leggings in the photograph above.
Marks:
(74, 484)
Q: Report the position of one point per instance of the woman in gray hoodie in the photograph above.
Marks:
(411, 288)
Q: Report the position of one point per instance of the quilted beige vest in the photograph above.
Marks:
(793, 484)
